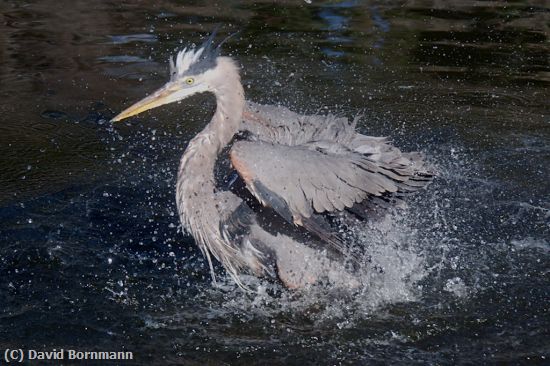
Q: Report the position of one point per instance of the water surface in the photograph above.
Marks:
(91, 254)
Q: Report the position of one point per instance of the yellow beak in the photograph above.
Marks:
(162, 96)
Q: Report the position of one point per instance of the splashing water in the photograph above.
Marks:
(403, 248)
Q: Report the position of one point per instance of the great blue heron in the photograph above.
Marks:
(304, 167)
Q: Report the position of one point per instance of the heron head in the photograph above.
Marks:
(192, 70)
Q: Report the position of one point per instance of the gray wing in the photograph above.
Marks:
(301, 165)
(277, 124)
(298, 181)
(280, 125)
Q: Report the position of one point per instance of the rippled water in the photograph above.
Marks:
(91, 257)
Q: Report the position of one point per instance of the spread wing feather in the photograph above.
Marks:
(314, 164)
(301, 180)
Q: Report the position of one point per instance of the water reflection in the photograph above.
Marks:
(133, 38)
(336, 17)
(478, 42)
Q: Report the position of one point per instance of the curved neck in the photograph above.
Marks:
(196, 171)
(227, 118)
(196, 195)
(204, 148)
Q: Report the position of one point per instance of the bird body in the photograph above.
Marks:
(301, 167)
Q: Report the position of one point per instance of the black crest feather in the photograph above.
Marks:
(193, 60)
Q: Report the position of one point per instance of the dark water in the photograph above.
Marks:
(90, 253)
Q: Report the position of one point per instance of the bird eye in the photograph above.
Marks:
(189, 81)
